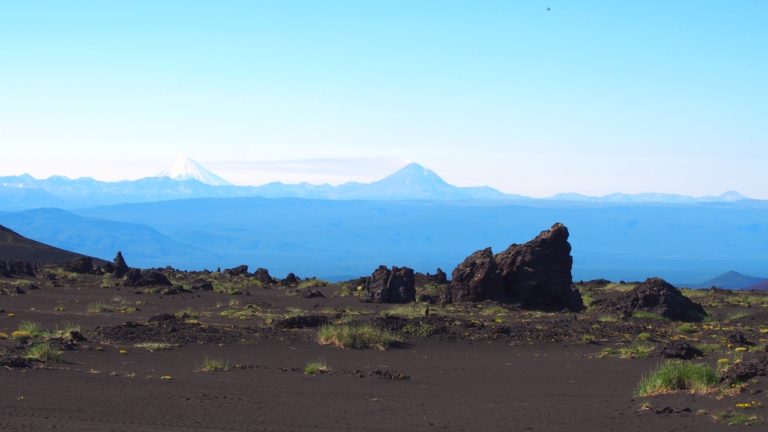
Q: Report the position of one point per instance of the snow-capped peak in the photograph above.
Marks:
(188, 169)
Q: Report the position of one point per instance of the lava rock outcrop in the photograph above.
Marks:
(536, 274)
(396, 285)
(656, 296)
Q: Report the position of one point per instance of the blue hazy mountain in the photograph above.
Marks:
(347, 238)
(141, 245)
(730, 280)
(621, 198)
(187, 179)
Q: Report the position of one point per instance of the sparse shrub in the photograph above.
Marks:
(356, 336)
(44, 352)
(3, 335)
(214, 365)
(672, 376)
(316, 367)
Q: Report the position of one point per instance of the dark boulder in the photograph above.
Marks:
(262, 275)
(397, 285)
(439, 278)
(656, 296)
(120, 266)
(679, 350)
(748, 368)
(738, 340)
(202, 285)
(477, 278)
(310, 293)
(240, 270)
(291, 279)
(144, 278)
(82, 265)
(538, 273)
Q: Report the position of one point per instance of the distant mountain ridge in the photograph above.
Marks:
(188, 179)
(730, 280)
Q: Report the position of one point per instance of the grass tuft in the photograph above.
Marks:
(214, 365)
(673, 376)
(316, 367)
(44, 352)
(154, 346)
(356, 336)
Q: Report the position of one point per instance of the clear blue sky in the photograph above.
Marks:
(590, 96)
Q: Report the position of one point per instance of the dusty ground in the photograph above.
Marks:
(468, 367)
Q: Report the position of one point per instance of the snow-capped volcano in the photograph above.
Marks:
(187, 169)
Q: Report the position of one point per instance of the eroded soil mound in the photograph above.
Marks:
(655, 296)
(166, 328)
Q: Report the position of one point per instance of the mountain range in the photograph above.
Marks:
(187, 179)
(338, 239)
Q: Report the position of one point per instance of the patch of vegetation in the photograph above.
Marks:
(214, 365)
(673, 376)
(356, 336)
(347, 290)
(687, 328)
(312, 283)
(31, 329)
(155, 346)
(316, 367)
(647, 315)
(494, 311)
(708, 347)
(101, 307)
(645, 336)
(421, 330)
(734, 418)
(44, 352)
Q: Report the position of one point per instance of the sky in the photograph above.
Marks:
(530, 97)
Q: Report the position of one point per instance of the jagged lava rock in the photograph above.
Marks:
(477, 278)
(397, 285)
(538, 273)
(121, 267)
(80, 265)
(657, 296)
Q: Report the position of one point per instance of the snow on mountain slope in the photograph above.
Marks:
(188, 169)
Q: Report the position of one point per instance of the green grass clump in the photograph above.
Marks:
(733, 418)
(44, 352)
(672, 376)
(645, 337)
(316, 367)
(154, 346)
(32, 329)
(687, 328)
(356, 336)
(312, 283)
(636, 350)
(709, 347)
(647, 315)
(214, 365)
